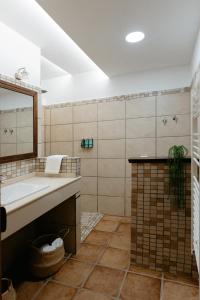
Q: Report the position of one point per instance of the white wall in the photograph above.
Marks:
(16, 52)
(92, 85)
(196, 56)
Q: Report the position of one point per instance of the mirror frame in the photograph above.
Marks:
(34, 94)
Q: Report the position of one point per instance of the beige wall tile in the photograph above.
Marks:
(24, 148)
(138, 147)
(89, 203)
(173, 104)
(47, 116)
(114, 110)
(111, 167)
(88, 167)
(61, 148)
(62, 115)
(25, 118)
(128, 206)
(164, 143)
(47, 134)
(85, 130)
(141, 107)
(111, 205)
(61, 133)
(173, 128)
(111, 129)
(89, 185)
(111, 148)
(7, 137)
(128, 168)
(25, 135)
(111, 186)
(8, 149)
(85, 153)
(140, 127)
(8, 120)
(85, 113)
(47, 149)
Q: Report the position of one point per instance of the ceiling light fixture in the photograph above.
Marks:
(135, 37)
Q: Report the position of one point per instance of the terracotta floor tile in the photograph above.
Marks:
(98, 238)
(89, 253)
(106, 225)
(115, 258)
(145, 271)
(121, 241)
(175, 291)
(28, 289)
(126, 220)
(89, 295)
(73, 273)
(141, 288)
(112, 218)
(105, 279)
(53, 291)
(181, 278)
(124, 228)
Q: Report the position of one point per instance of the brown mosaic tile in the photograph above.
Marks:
(181, 278)
(141, 288)
(161, 232)
(105, 279)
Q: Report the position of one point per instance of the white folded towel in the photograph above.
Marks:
(57, 243)
(53, 164)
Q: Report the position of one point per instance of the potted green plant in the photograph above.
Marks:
(177, 173)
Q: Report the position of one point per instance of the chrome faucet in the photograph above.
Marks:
(2, 179)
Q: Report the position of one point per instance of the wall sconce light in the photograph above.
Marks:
(21, 74)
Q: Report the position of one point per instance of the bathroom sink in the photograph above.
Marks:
(19, 190)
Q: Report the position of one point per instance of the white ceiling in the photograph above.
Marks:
(50, 70)
(99, 28)
(30, 20)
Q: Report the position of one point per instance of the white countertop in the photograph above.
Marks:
(54, 183)
(23, 211)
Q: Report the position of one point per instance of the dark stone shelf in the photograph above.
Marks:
(149, 159)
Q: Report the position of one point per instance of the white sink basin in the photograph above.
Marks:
(19, 190)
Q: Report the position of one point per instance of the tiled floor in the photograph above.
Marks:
(101, 270)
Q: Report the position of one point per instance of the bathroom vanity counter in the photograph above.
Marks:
(23, 211)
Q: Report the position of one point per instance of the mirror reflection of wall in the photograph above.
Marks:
(16, 123)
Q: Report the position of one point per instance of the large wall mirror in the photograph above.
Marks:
(18, 123)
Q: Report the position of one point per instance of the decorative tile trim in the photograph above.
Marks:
(160, 232)
(70, 166)
(26, 85)
(14, 110)
(17, 168)
(120, 98)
